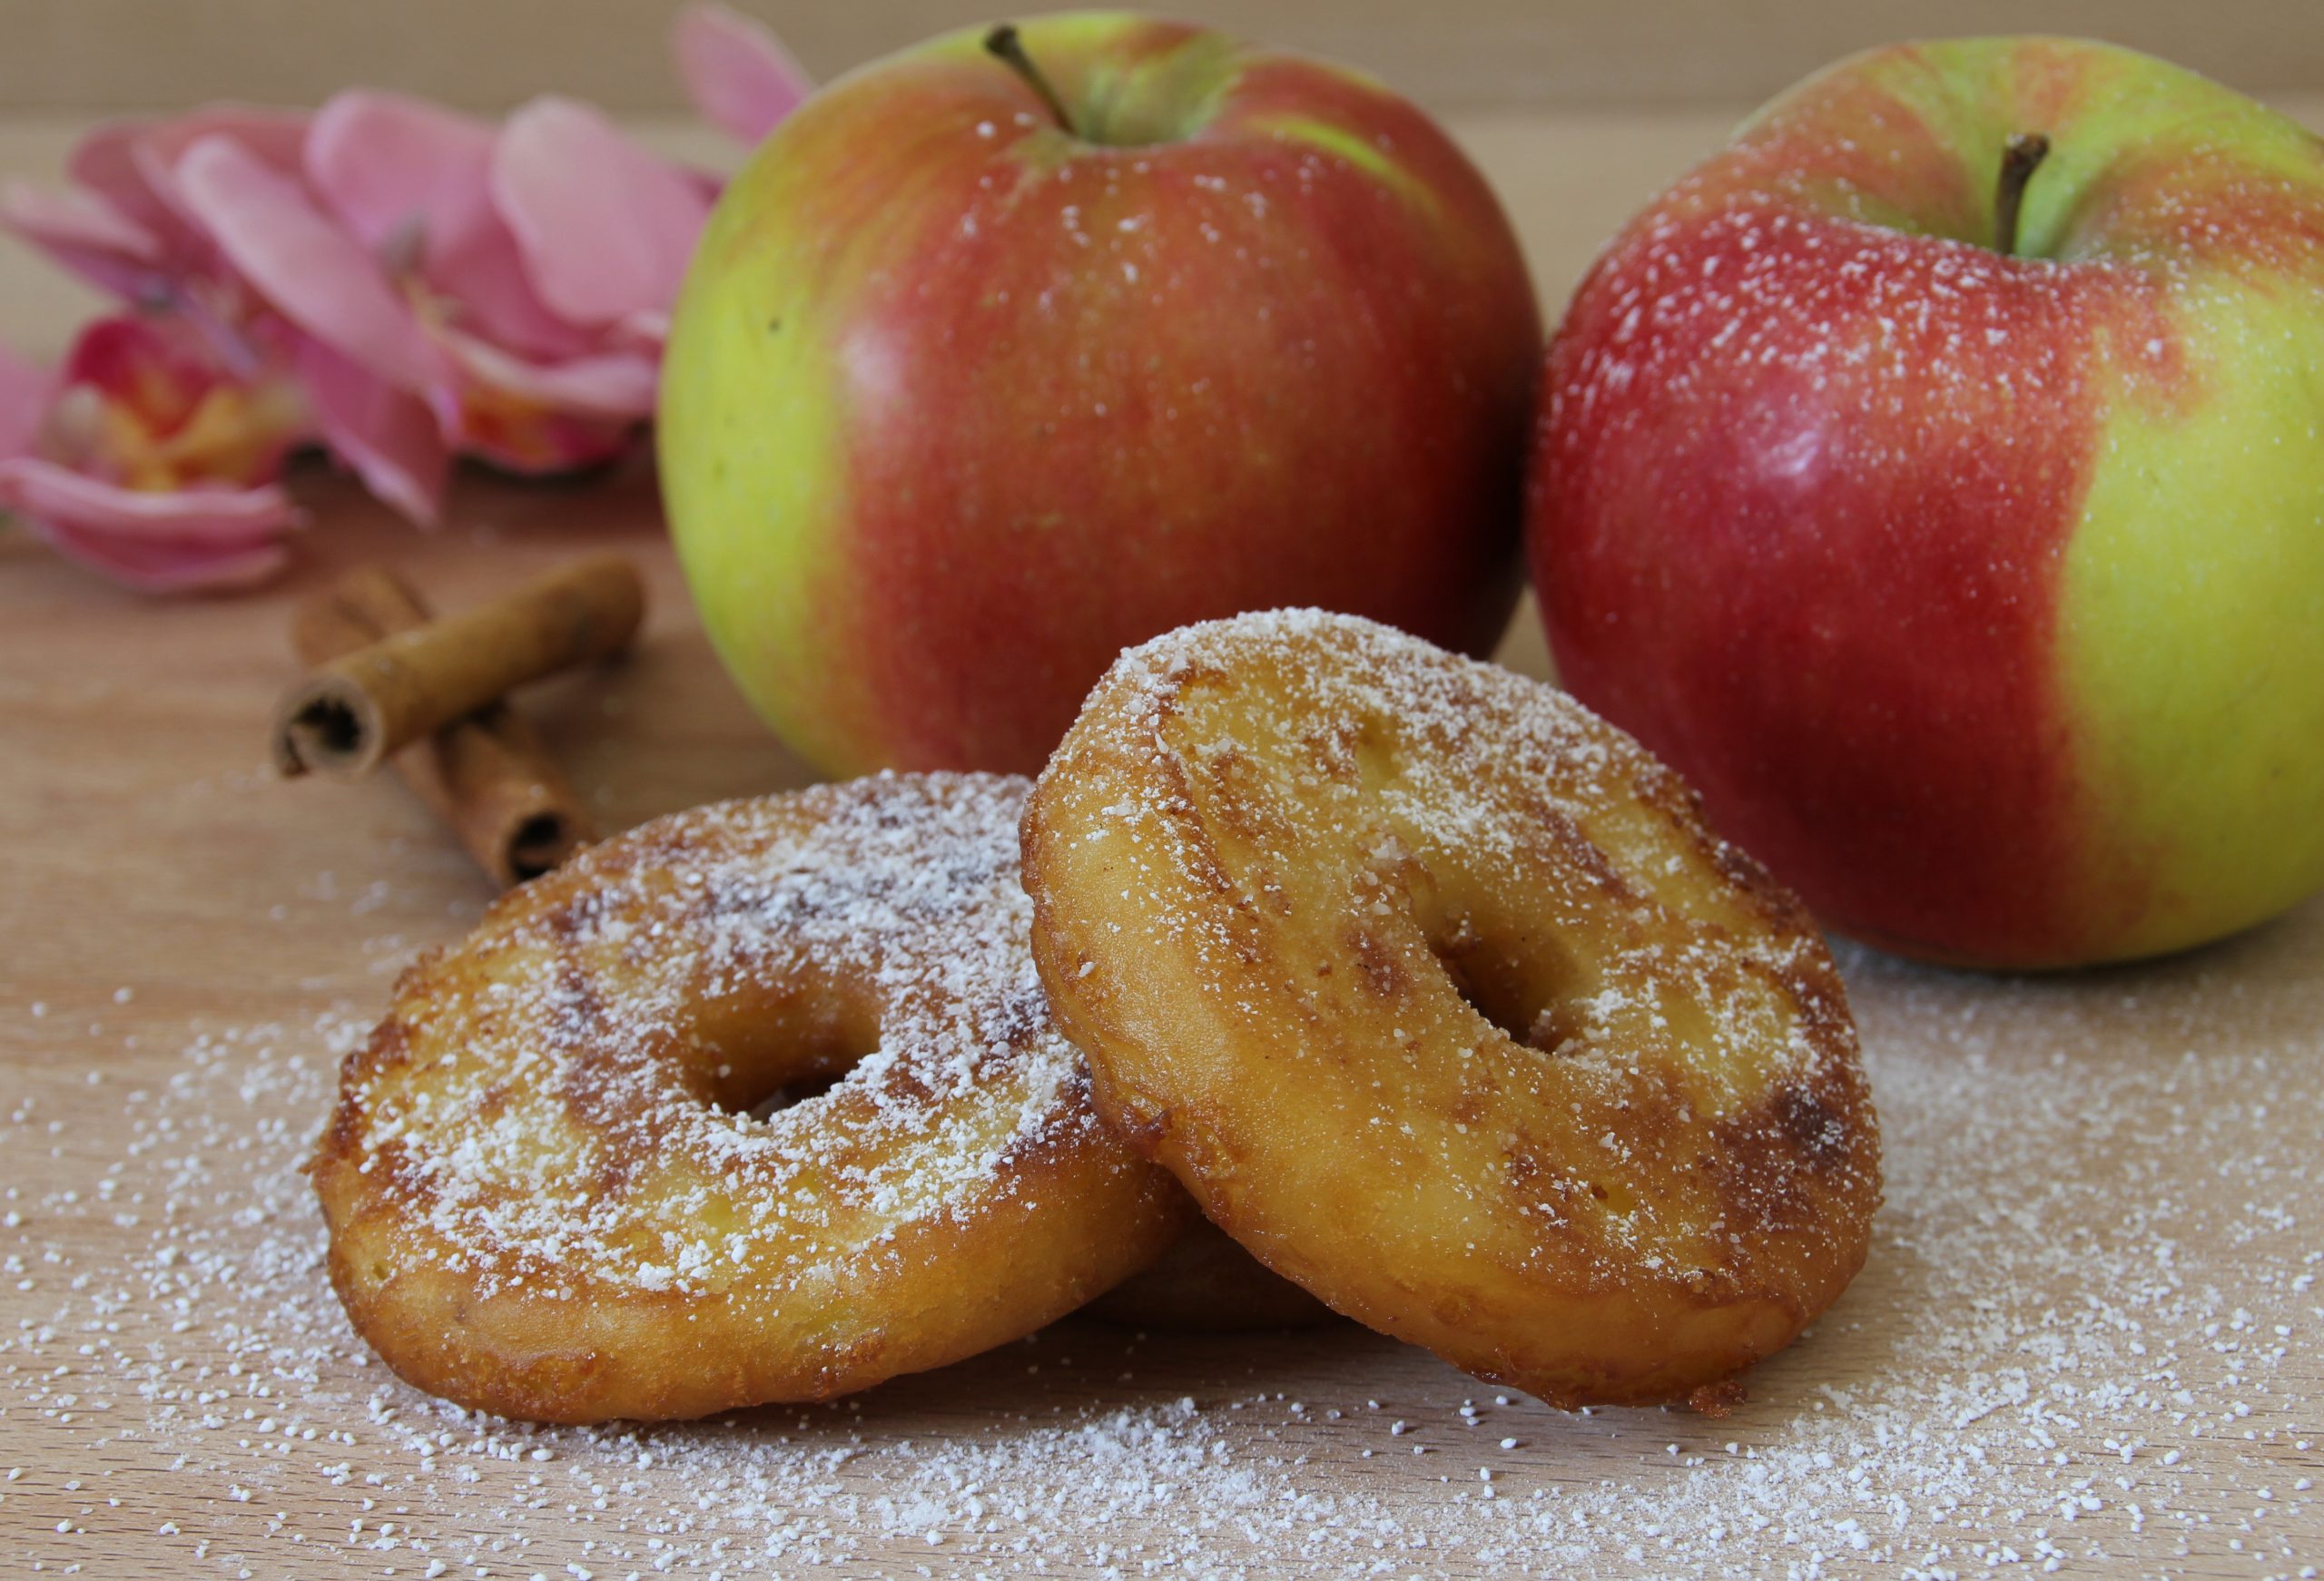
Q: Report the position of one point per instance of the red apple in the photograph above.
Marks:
(1960, 532)
(968, 390)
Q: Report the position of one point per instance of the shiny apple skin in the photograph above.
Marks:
(1980, 596)
(958, 404)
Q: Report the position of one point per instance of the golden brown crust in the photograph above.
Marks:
(1206, 1283)
(542, 1197)
(1440, 997)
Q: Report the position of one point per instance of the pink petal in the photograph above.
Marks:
(615, 385)
(388, 166)
(552, 446)
(104, 163)
(186, 566)
(143, 360)
(50, 493)
(407, 177)
(127, 165)
(25, 391)
(737, 71)
(158, 542)
(649, 329)
(605, 227)
(388, 436)
(484, 289)
(86, 235)
(307, 270)
(274, 140)
(73, 218)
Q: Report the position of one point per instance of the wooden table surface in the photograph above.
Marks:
(2086, 1339)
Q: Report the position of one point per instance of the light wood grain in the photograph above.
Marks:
(2100, 1185)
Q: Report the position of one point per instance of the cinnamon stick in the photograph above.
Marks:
(487, 776)
(361, 708)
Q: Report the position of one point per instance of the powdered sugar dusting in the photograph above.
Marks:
(1593, 1048)
(549, 1196)
(2086, 1337)
(2086, 1333)
(599, 985)
(1459, 730)
(2095, 1230)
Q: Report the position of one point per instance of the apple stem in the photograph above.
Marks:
(1004, 43)
(2020, 156)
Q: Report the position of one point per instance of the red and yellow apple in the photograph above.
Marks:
(983, 371)
(1953, 515)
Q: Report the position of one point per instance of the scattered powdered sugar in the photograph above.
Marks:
(2086, 1334)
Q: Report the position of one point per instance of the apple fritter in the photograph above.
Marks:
(1437, 993)
(548, 1195)
(1204, 1283)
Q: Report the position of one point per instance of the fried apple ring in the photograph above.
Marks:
(546, 1196)
(1206, 1284)
(1436, 992)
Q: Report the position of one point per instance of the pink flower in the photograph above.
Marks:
(145, 459)
(435, 285)
(537, 260)
(738, 75)
(124, 224)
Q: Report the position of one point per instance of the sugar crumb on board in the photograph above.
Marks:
(2086, 1333)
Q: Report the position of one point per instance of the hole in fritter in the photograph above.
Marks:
(1530, 989)
(770, 1045)
(795, 1093)
(1487, 993)
(806, 1074)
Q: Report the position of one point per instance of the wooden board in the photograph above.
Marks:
(2088, 1333)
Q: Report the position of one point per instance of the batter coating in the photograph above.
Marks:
(1436, 991)
(1204, 1283)
(546, 1196)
